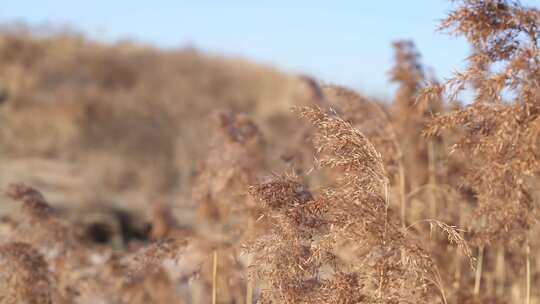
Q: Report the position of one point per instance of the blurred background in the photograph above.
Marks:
(109, 103)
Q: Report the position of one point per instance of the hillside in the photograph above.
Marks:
(127, 121)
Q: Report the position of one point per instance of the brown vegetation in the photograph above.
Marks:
(425, 199)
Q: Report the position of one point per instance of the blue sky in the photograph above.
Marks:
(341, 42)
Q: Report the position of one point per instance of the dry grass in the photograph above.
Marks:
(354, 200)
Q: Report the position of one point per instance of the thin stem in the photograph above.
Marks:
(432, 179)
(500, 271)
(214, 277)
(402, 193)
(439, 284)
(479, 266)
(528, 271)
(387, 203)
(249, 283)
(478, 276)
(249, 292)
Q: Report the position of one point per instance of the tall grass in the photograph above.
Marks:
(425, 199)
